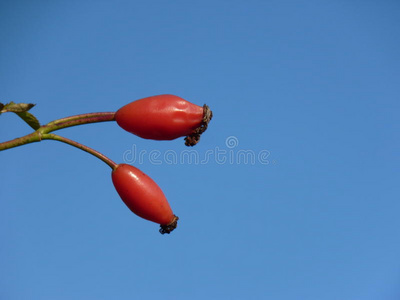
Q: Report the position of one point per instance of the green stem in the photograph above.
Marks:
(57, 125)
(30, 138)
(55, 137)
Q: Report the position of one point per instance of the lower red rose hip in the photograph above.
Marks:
(143, 196)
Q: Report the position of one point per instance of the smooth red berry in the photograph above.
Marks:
(143, 196)
(163, 117)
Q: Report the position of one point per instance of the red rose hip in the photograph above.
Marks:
(164, 117)
(143, 196)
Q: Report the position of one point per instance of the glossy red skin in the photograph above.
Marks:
(141, 194)
(162, 117)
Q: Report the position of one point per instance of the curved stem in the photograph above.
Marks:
(77, 120)
(55, 137)
(80, 116)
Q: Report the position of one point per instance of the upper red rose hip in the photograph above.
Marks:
(164, 117)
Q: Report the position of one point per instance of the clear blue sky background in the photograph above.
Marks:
(314, 84)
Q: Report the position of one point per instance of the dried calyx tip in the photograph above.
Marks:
(169, 227)
(193, 138)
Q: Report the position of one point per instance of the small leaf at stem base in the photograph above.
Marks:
(17, 107)
(21, 109)
(30, 119)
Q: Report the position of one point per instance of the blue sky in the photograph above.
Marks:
(308, 89)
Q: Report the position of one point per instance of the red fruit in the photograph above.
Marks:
(143, 196)
(164, 117)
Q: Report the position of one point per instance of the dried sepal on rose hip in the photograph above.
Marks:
(143, 196)
(164, 117)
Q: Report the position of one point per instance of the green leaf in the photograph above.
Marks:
(21, 109)
(30, 119)
(17, 107)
